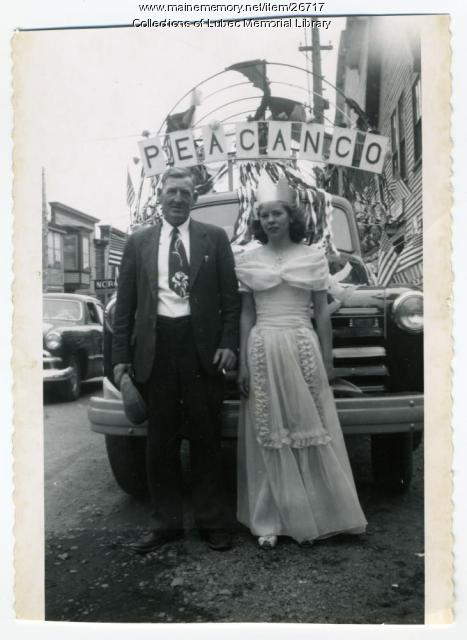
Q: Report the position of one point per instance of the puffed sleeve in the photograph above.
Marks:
(241, 260)
(320, 272)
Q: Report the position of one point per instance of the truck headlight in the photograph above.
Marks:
(109, 314)
(407, 311)
(53, 340)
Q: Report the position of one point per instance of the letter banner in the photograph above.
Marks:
(241, 141)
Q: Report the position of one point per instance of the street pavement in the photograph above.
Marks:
(376, 578)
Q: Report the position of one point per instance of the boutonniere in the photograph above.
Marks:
(206, 258)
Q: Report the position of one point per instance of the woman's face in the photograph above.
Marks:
(274, 220)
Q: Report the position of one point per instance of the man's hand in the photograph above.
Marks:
(119, 370)
(225, 359)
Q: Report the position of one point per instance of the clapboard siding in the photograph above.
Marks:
(397, 79)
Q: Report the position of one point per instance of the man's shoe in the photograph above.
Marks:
(154, 540)
(217, 540)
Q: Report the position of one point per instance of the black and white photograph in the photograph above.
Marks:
(232, 295)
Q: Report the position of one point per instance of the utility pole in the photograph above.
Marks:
(319, 104)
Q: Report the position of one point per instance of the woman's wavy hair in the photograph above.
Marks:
(297, 228)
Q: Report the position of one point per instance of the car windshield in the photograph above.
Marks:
(225, 214)
(56, 309)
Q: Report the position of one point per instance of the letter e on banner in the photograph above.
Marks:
(215, 144)
(152, 156)
(279, 139)
(312, 142)
(342, 146)
(374, 153)
(183, 148)
(247, 139)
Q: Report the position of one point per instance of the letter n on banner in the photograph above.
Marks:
(215, 144)
(152, 156)
(374, 153)
(279, 139)
(247, 145)
(312, 142)
(342, 146)
(183, 148)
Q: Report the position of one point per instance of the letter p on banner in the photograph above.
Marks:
(374, 153)
(152, 156)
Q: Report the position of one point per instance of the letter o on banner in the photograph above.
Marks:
(374, 153)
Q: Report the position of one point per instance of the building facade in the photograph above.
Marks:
(71, 264)
(379, 82)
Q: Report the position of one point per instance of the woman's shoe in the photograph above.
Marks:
(267, 542)
(306, 543)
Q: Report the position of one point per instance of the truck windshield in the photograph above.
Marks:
(224, 215)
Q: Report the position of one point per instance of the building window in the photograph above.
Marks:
(399, 167)
(54, 249)
(85, 252)
(70, 250)
(417, 119)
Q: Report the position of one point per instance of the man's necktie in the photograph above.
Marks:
(179, 270)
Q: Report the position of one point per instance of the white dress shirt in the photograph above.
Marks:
(169, 303)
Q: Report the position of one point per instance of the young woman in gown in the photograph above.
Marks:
(294, 476)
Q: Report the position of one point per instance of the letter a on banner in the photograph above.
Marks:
(152, 156)
(247, 140)
(215, 144)
(374, 153)
(342, 146)
(183, 148)
(279, 139)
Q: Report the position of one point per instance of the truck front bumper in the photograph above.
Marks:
(365, 414)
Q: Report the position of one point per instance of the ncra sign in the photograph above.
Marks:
(271, 140)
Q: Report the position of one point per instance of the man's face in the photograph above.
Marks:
(177, 197)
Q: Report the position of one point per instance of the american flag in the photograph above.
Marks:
(388, 259)
(398, 190)
(410, 268)
(412, 253)
(130, 191)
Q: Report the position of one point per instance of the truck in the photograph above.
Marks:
(377, 330)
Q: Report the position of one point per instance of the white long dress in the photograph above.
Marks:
(294, 476)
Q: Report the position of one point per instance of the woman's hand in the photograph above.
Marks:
(330, 371)
(243, 380)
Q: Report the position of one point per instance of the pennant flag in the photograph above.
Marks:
(130, 190)
(255, 71)
(182, 120)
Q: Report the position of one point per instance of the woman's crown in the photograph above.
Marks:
(269, 191)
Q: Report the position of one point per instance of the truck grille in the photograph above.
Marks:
(359, 348)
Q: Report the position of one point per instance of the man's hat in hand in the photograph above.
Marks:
(133, 403)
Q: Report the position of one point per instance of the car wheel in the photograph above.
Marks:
(391, 460)
(127, 458)
(72, 387)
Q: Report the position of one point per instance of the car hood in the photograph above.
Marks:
(48, 325)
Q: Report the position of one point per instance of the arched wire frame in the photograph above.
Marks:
(277, 64)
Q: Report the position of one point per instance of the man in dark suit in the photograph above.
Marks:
(176, 328)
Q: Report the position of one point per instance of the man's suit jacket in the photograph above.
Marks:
(213, 295)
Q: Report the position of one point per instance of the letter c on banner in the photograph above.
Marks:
(247, 140)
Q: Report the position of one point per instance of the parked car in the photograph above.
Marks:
(72, 341)
(378, 358)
